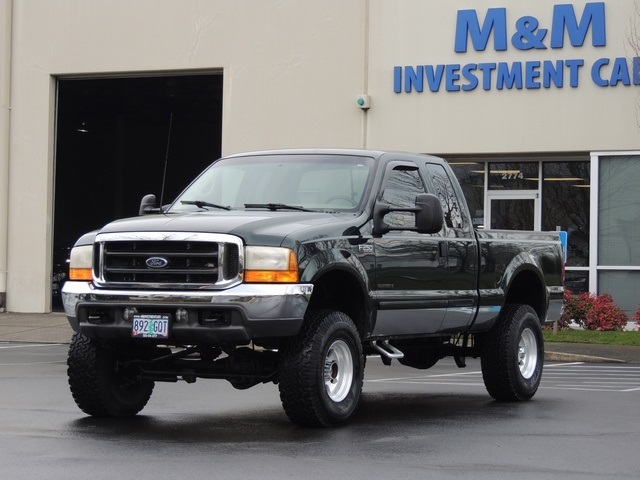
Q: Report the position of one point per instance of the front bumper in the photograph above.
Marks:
(236, 316)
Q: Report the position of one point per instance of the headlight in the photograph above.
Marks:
(80, 263)
(270, 265)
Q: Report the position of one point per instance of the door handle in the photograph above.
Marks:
(443, 253)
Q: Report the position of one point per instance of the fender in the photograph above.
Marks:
(346, 263)
(538, 299)
(87, 239)
(522, 261)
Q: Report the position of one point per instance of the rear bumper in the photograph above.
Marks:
(234, 316)
(556, 304)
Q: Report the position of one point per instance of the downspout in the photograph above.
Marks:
(6, 9)
(365, 113)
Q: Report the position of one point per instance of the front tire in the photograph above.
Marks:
(99, 386)
(321, 371)
(513, 354)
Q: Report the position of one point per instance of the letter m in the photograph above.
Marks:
(468, 25)
(564, 18)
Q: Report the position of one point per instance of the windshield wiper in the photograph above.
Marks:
(201, 204)
(277, 206)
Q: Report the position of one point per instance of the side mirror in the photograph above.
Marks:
(428, 213)
(429, 217)
(148, 205)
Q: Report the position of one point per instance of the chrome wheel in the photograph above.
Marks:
(338, 371)
(527, 353)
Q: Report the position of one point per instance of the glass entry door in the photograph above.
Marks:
(513, 211)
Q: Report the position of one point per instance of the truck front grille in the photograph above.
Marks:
(171, 261)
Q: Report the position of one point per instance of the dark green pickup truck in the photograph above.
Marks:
(291, 267)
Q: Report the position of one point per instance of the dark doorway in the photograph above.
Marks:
(111, 144)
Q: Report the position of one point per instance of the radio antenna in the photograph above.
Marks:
(166, 161)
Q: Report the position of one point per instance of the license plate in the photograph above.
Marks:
(151, 326)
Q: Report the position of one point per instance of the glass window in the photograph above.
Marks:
(577, 281)
(514, 176)
(624, 287)
(318, 182)
(470, 175)
(401, 189)
(565, 206)
(513, 214)
(618, 215)
(334, 186)
(444, 191)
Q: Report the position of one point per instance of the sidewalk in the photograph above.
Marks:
(35, 328)
(54, 328)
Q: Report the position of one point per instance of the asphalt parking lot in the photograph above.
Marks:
(433, 424)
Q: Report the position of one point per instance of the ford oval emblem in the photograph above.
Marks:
(157, 262)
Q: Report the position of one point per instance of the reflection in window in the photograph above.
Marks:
(513, 176)
(322, 182)
(470, 175)
(619, 215)
(623, 286)
(565, 206)
(339, 186)
(512, 214)
(401, 189)
(577, 281)
(444, 191)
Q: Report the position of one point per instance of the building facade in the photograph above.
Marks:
(534, 104)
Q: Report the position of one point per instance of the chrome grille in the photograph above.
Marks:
(160, 260)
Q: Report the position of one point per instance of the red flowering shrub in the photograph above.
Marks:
(594, 312)
(605, 314)
(576, 308)
(636, 317)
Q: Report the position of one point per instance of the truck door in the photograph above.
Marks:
(409, 273)
(460, 250)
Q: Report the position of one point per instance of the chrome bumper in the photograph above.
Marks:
(556, 304)
(253, 311)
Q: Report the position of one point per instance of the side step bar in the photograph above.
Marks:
(387, 350)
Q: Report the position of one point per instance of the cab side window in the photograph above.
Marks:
(402, 185)
(444, 191)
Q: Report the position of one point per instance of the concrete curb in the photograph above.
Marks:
(572, 357)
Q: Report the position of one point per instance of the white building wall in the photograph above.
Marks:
(414, 32)
(292, 70)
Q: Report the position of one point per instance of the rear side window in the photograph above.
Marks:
(448, 198)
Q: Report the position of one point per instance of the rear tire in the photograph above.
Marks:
(99, 387)
(513, 354)
(321, 371)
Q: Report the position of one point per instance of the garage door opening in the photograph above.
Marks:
(113, 136)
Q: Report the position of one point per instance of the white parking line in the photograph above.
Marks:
(32, 363)
(422, 377)
(7, 346)
(560, 376)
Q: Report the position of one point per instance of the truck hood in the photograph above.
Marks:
(268, 228)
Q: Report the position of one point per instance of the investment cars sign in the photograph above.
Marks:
(567, 29)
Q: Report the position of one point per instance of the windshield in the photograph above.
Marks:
(314, 182)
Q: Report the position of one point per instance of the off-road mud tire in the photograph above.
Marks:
(322, 370)
(98, 387)
(513, 354)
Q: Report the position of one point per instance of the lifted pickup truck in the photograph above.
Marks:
(292, 267)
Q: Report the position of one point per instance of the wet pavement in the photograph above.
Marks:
(436, 424)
